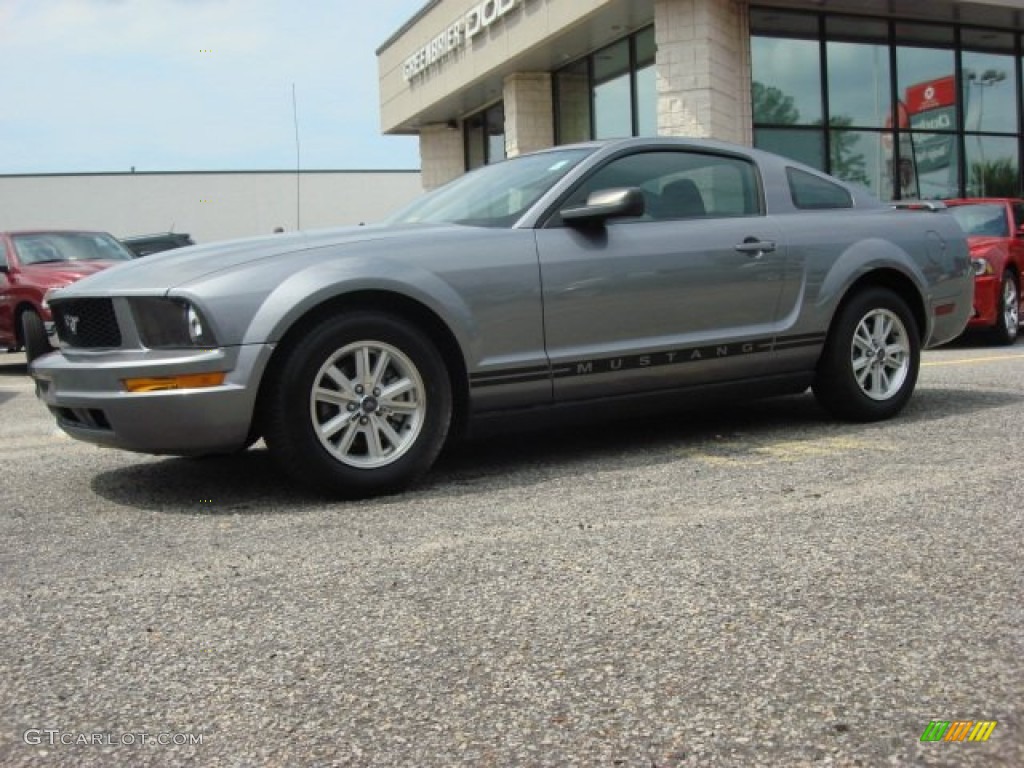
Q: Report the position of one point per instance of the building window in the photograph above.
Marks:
(906, 109)
(645, 84)
(612, 92)
(990, 82)
(484, 135)
(609, 94)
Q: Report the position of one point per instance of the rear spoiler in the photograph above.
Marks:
(918, 205)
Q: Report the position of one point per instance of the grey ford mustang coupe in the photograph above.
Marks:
(610, 271)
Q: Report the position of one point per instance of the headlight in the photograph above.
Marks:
(171, 324)
(195, 326)
(981, 267)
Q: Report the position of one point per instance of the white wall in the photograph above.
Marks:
(208, 206)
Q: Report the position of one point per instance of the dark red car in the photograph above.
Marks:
(995, 236)
(33, 262)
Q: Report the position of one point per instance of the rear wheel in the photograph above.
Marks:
(1008, 315)
(360, 405)
(869, 367)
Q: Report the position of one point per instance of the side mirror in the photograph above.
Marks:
(4, 269)
(604, 204)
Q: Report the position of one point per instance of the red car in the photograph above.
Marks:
(33, 262)
(995, 236)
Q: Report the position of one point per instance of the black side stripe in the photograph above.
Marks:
(800, 340)
(614, 364)
(511, 375)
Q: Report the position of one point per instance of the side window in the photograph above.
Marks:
(680, 184)
(815, 193)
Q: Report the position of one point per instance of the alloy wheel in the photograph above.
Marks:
(1011, 308)
(368, 404)
(881, 354)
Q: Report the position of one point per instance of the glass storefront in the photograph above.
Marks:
(484, 135)
(907, 109)
(609, 94)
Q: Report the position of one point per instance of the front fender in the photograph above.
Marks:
(317, 284)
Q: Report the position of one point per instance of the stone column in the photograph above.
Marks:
(529, 114)
(441, 154)
(703, 69)
(574, 95)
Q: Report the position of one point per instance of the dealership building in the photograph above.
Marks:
(912, 98)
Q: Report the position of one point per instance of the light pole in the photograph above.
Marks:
(986, 79)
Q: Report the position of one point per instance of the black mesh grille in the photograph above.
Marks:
(87, 323)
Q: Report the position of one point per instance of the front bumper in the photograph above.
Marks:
(86, 394)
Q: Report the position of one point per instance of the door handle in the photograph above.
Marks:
(755, 248)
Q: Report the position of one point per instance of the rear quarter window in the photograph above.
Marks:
(810, 192)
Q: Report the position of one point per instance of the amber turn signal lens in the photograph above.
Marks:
(191, 381)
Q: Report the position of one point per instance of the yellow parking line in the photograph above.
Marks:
(965, 361)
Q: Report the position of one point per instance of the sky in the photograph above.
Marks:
(195, 85)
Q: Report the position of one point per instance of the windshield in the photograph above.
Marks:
(983, 219)
(53, 247)
(495, 195)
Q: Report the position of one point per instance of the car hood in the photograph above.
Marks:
(64, 272)
(161, 272)
(985, 239)
(986, 243)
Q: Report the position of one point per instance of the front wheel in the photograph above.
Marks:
(360, 405)
(1008, 316)
(33, 335)
(869, 367)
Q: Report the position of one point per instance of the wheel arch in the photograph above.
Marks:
(897, 282)
(397, 305)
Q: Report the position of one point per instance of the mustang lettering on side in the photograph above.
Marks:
(615, 271)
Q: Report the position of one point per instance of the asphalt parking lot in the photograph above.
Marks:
(757, 586)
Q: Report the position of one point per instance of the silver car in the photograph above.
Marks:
(620, 271)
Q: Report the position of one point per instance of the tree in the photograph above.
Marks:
(995, 178)
(843, 161)
(772, 106)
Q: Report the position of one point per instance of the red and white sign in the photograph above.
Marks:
(931, 106)
(933, 94)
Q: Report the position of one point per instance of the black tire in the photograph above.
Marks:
(869, 367)
(33, 335)
(383, 426)
(1008, 314)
